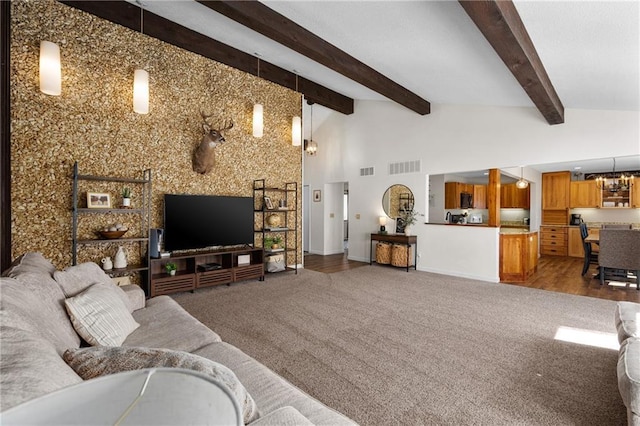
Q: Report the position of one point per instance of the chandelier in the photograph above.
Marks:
(613, 182)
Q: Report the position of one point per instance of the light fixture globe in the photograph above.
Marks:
(258, 123)
(522, 183)
(50, 72)
(141, 91)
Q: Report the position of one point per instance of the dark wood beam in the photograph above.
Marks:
(266, 21)
(500, 23)
(5, 134)
(128, 15)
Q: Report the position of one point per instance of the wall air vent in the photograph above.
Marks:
(366, 171)
(402, 167)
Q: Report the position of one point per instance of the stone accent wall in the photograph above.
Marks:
(93, 123)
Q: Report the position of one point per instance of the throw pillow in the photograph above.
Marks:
(89, 363)
(100, 316)
(29, 262)
(78, 278)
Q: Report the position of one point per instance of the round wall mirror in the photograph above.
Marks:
(396, 199)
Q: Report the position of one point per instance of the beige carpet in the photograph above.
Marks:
(386, 347)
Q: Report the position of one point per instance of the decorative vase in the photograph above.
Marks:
(126, 202)
(107, 265)
(407, 230)
(120, 259)
(273, 220)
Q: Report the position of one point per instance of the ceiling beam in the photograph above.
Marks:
(500, 23)
(128, 15)
(271, 24)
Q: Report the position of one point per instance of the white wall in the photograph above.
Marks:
(450, 139)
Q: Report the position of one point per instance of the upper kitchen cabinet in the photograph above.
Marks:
(512, 197)
(556, 195)
(479, 196)
(584, 194)
(556, 190)
(458, 195)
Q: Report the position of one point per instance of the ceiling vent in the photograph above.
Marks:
(403, 167)
(366, 171)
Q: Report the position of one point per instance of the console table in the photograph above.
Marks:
(402, 239)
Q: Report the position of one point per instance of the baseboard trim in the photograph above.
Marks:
(459, 275)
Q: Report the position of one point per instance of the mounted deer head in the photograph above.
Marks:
(203, 156)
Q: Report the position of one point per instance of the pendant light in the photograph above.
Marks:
(522, 184)
(310, 146)
(258, 115)
(141, 79)
(50, 72)
(296, 126)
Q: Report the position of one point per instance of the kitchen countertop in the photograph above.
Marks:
(506, 231)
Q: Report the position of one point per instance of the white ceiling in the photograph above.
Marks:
(590, 49)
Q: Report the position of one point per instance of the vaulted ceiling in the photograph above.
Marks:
(417, 53)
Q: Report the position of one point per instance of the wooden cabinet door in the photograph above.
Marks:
(512, 197)
(584, 193)
(451, 195)
(635, 193)
(479, 196)
(532, 253)
(556, 190)
(575, 248)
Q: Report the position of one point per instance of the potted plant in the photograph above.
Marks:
(171, 268)
(408, 218)
(126, 197)
(277, 241)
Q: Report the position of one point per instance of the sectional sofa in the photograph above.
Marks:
(627, 320)
(59, 328)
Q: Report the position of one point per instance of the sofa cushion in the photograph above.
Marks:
(135, 295)
(165, 324)
(35, 301)
(627, 320)
(30, 262)
(94, 362)
(31, 364)
(100, 316)
(78, 278)
(629, 377)
(285, 416)
(271, 391)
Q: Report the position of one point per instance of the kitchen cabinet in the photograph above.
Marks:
(518, 256)
(616, 199)
(635, 193)
(553, 240)
(574, 245)
(584, 194)
(512, 197)
(452, 191)
(479, 196)
(556, 190)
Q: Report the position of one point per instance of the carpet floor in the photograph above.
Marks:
(387, 347)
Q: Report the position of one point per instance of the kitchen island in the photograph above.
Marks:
(518, 254)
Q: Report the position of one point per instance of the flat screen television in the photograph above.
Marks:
(199, 221)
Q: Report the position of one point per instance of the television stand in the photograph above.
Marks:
(205, 269)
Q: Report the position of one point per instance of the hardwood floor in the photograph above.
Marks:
(555, 273)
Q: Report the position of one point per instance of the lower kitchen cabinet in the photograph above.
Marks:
(553, 240)
(518, 256)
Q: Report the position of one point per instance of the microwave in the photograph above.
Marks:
(466, 200)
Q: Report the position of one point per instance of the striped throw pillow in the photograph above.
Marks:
(100, 316)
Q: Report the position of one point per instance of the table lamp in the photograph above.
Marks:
(383, 221)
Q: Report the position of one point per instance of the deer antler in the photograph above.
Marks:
(227, 126)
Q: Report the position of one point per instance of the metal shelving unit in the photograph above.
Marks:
(143, 213)
(289, 229)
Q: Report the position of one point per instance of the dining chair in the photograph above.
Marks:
(589, 255)
(616, 226)
(619, 257)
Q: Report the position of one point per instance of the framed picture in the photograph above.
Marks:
(400, 225)
(268, 203)
(317, 195)
(98, 200)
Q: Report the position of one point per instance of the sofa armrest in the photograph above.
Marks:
(136, 296)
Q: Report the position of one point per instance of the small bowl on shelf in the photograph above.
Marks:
(111, 235)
